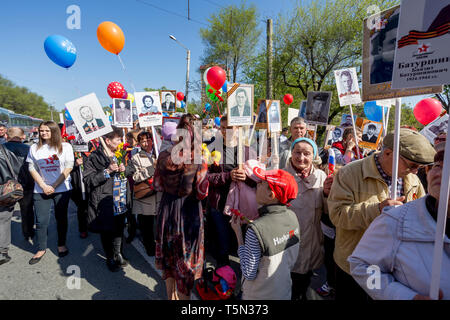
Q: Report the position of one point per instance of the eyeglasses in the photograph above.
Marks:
(412, 165)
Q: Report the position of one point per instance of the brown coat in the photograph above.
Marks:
(357, 190)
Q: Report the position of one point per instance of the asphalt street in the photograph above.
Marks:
(83, 274)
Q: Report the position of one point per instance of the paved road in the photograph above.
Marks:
(53, 277)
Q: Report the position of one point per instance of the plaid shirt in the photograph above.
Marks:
(388, 179)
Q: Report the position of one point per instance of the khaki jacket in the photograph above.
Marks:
(308, 207)
(357, 190)
(145, 169)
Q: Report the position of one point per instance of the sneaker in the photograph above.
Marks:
(4, 258)
(325, 290)
(120, 260)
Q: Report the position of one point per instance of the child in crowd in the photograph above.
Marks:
(272, 241)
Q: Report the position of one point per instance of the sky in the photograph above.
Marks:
(151, 58)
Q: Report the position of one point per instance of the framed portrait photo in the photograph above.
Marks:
(371, 134)
(148, 107)
(347, 86)
(240, 104)
(88, 116)
(168, 100)
(78, 144)
(318, 107)
(334, 134)
(435, 127)
(379, 43)
(302, 110)
(346, 120)
(273, 115)
(122, 113)
(261, 121)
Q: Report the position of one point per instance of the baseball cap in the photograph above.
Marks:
(413, 146)
(281, 182)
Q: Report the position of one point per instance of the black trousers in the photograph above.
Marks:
(146, 224)
(112, 241)
(82, 209)
(27, 213)
(300, 284)
(330, 265)
(347, 289)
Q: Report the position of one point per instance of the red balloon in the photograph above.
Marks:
(216, 77)
(288, 98)
(116, 90)
(427, 110)
(180, 96)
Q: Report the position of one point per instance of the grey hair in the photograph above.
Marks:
(298, 120)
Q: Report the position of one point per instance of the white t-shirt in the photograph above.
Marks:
(51, 165)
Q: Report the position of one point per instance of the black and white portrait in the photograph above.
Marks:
(89, 117)
(334, 135)
(148, 106)
(240, 104)
(318, 107)
(346, 120)
(432, 130)
(168, 101)
(123, 116)
(262, 112)
(371, 134)
(78, 143)
(274, 115)
(347, 86)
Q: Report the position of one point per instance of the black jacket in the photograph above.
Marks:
(17, 153)
(100, 191)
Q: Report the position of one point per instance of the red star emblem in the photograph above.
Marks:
(423, 48)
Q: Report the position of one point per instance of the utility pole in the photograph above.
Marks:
(269, 89)
(187, 77)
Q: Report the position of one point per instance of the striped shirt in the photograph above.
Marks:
(388, 179)
(250, 255)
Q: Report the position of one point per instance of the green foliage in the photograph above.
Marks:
(231, 37)
(22, 101)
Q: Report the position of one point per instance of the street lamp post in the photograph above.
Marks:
(187, 68)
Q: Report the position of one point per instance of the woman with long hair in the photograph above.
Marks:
(50, 163)
(179, 232)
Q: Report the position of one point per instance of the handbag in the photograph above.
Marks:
(144, 189)
(12, 190)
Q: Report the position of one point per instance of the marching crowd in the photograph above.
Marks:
(283, 224)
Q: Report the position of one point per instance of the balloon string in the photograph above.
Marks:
(220, 114)
(74, 82)
(126, 73)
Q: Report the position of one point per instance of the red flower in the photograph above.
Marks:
(71, 138)
(125, 146)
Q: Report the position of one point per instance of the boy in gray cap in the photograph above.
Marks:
(361, 190)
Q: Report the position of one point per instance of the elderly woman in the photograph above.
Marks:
(308, 206)
(398, 246)
(145, 200)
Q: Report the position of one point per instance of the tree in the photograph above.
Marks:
(22, 101)
(231, 37)
(444, 97)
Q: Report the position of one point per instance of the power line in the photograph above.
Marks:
(172, 13)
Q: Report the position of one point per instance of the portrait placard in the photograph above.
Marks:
(435, 127)
(422, 54)
(379, 42)
(122, 113)
(239, 104)
(78, 144)
(168, 100)
(148, 107)
(273, 115)
(372, 132)
(89, 118)
(318, 107)
(347, 86)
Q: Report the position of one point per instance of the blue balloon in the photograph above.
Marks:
(111, 106)
(67, 115)
(217, 121)
(165, 114)
(224, 87)
(183, 104)
(374, 112)
(207, 107)
(60, 50)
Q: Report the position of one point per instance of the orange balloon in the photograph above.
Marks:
(111, 37)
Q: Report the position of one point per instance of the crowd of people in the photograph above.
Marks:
(284, 214)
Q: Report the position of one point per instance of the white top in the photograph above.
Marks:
(50, 165)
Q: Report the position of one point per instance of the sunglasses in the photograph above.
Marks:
(412, 165)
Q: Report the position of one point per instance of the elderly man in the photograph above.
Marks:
(361, 190)
(298, 130)
(400, 242)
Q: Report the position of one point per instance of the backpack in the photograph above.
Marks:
(11, 191)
